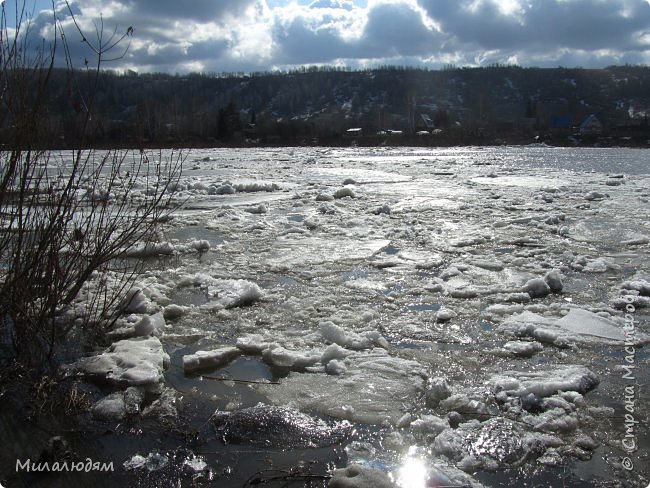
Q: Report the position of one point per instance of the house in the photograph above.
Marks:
(591, 126)
(354, 131)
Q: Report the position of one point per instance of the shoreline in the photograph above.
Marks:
(364, 141)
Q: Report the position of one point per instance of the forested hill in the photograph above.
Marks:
(466, 105)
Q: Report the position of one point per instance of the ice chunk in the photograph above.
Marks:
(450, 272)
(491, 265)
(445, 315)
(328, 209)
(136, 301)
(357, 476)
(373, 390)
(237, 293)
(464, 293)
(150, 249)
(200, 245)
(274, 426)
(225, 190)
(295, 252)
(598, 265)
(637, 241)
(462, 403)
(595, 195)
(578, 325)
(137, 361)
(174, 311)
(382, 209)
(133, 399)
(437, 389)
(351, 340)
(195, 464)
(537, 288)
(150, 324)
(252, 344)
(136, 462)
(523, 348)
(422, 259)
(554, 281)
(491, 444)
(209, 359)
(253, 187)
(335, 367)
(144, 327)
(164, 407)
(111, 407)
(344, 192)
(504, 309)
(324, 197)
(153, 462)
(334, 351)
(258, 209)
(545, 382)
(429, 424)
(468, 241)
(640, 286)
(583, 322)
(553, 420)
(279, 356)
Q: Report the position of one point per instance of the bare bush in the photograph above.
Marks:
(65, 217)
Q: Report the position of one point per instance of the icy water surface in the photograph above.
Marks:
(462, 310)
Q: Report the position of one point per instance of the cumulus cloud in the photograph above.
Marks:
(252, 35)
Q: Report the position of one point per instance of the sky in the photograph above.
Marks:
(216, 36)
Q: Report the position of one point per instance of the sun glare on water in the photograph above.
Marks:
(412, 473)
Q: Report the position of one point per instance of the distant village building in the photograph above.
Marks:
(591, 126)
(354, 131)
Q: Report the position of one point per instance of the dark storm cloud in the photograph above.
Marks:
(549, 24)
(197, 10)
(395, 29)
(301, 43)
(485, 26)
(586, 24)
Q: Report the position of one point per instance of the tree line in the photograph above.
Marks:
(321, 103)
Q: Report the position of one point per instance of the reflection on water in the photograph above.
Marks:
(412, 473)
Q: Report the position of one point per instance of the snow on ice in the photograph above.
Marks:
(131, 362)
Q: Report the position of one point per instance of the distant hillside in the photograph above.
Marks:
(319, 106)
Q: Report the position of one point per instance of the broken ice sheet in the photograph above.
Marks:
(578, 325)
(138, 361)
(373, 390)
(313, 251)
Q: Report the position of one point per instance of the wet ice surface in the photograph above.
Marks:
(404, 291)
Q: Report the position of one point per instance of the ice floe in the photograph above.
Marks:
(137, 361)
(276, 426)
(578, 325)
(374, 389)
(209, 359)
(545, 381)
